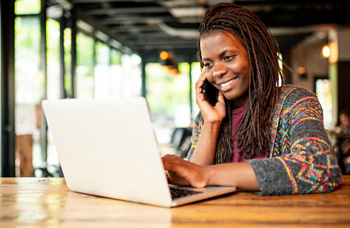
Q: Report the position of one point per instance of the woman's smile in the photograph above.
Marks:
(228, 85)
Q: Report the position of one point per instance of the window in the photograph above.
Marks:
(196, 71)
(53, 59)
(131, 73)
(102, 76)
(101, 72)
(168, 98)
(323, 89)
(30, 86)
(27, 7)
(85, 56)
(53, 82)
(116, 74)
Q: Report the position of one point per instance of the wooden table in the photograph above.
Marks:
(38, 202)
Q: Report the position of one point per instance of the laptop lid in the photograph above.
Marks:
(108, 148)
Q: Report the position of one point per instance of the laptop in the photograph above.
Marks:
(107, 147)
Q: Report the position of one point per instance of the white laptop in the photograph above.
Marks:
(108, 148)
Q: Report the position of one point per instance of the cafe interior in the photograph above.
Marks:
(58, 49)
(112, 49)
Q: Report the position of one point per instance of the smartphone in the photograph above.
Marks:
(210, 93)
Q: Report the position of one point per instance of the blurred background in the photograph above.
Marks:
(55, 49)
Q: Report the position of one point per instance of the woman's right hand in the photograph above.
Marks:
(210, 114)
(182, 172)
(204, 152)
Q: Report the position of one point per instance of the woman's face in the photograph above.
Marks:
(226, 65)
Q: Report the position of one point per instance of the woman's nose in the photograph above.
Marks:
(219, 70)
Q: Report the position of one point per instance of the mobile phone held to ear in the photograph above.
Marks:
(210, 93)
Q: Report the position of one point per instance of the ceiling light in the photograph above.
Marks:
(187, 12)
(164, 55)
(326, 51)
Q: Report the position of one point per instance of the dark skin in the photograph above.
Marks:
(226, 67)
(182, 172)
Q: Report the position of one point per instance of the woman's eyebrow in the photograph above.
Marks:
(230, 50)
(206, 59)
(221, 54)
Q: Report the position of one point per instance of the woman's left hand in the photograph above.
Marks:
(182, 172)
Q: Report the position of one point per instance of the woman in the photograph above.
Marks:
(252, 133)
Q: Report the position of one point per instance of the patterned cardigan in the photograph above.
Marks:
(301, 158)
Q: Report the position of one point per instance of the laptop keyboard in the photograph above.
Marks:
(178, 192)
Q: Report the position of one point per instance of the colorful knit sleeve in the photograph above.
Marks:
(304, 161)
(197, 127)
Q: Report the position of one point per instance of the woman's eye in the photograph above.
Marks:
(229, 57)
(207, 65)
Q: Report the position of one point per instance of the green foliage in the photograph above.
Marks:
(165, 92)
(27, 33)
(85, 45)
(53, 40)
(29, 79)
(102, 53)
(27, 7)
(116, 57)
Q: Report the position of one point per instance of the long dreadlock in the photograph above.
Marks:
(253, 135)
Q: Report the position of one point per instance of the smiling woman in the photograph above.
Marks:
(250, 132)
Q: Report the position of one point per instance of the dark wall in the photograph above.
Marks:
(343, 68)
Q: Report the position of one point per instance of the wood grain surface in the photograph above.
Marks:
(40, 202)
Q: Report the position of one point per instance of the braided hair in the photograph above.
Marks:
(253, 135)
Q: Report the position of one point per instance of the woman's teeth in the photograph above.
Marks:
(227, 83)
